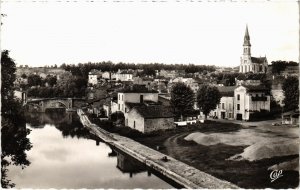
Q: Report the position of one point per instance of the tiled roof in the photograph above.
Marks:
(155, 111)
(226, 90)
(256, 88)
(259, 60)
(137, 89)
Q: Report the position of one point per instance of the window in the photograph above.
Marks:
(122, 97)
(134, 124)
(119, 96)
(119, 106)
(223, 106)
(238, 106)
(238, 97)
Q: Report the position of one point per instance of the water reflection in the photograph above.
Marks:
(65, 155)
(14, 143)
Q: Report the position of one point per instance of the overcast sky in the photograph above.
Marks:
(49, 33)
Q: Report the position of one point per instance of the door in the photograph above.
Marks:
(239, 116)
(223, 115)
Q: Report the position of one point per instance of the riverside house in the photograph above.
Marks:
(148, 118)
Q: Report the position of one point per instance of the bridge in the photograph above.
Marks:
(42, 104)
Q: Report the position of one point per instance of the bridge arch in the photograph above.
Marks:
(42, 104)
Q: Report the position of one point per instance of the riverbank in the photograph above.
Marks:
(181, 173)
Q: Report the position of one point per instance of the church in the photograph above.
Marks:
(251, 64)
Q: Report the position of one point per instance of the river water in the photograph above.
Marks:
(65, 155)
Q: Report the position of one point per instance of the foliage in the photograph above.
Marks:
(227, 79)
(35, 80)
(13, 128)
(278, 66)
(71, 87)
(182, 98)
(51, 80)
(117, 116)
(83, 69)
(9, 107)
(24, 76)
(291, 92)
(208, 98)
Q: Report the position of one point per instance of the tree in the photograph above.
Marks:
(24, 76)
(8, 69)
(278, 66)
(182, 98)
(291, 92)
(34, 80)
(208, 98)
(51, 80)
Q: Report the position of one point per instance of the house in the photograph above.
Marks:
(110, 106)
(225, 110)
(135, 94)
(290, 118)
(148, 118)
(250, 99)
(125, 75)
(249, 63)
(250, 79)
(93, 77)
(106, 75)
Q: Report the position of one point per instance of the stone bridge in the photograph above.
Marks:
(41, 105)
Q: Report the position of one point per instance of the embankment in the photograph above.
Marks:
(181, 173)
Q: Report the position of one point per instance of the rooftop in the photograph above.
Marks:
(259, 60)
(226, 90)
(154, 111)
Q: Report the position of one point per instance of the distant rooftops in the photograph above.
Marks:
(137, 89)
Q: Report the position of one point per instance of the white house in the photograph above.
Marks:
(249, 99)
(135, 94)
(93, 77)
(225, 109)
(124, 75)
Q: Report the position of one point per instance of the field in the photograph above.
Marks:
(241, 155)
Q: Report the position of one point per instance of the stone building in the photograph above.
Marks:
(148, 118)
(251, 64)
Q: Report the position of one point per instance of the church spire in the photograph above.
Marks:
(247, 37)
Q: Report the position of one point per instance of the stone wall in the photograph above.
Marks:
(158, 124)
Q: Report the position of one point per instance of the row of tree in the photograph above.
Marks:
(84, 69)
(279, 66)
(183, 98)
(73, 86)
(36, 80)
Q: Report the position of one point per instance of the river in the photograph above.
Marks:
(64, 155)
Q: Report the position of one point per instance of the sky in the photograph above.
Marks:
(50, 32)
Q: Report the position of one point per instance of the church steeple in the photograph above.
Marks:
(247, 38)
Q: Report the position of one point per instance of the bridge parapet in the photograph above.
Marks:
(40, 105)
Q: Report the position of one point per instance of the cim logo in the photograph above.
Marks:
(275, 175)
